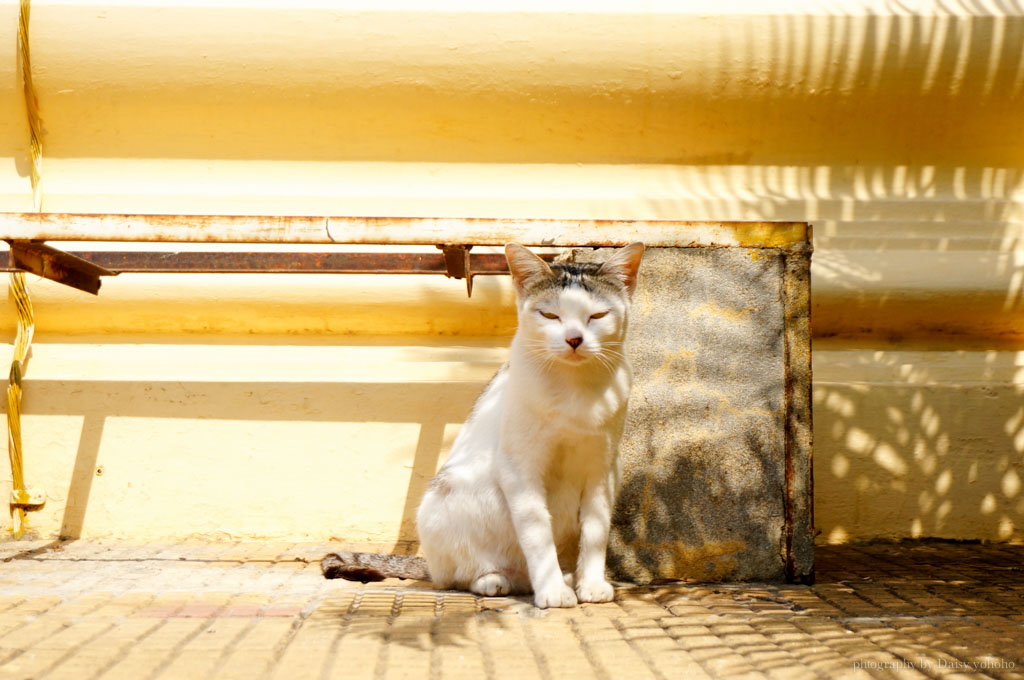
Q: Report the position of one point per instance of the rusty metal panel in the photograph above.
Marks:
(716, 452)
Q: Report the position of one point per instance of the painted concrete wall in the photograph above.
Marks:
(316, 406)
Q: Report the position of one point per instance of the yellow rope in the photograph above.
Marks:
(26, 326)
(22, 341)
(35, 124)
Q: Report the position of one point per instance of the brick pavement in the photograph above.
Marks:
(91, 609)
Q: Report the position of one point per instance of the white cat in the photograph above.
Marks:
(524, 501)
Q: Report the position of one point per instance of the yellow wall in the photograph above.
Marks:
(316, 406)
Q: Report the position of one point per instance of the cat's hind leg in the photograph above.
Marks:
(436, 543)
(442, 571)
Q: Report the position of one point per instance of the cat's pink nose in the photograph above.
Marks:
(574, 342)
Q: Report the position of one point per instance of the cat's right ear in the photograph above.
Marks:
(524, 265)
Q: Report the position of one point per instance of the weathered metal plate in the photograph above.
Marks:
(710, 464)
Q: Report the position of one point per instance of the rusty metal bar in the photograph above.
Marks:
(397, 231)
(458, 265)
(57, 265)
(196, 262)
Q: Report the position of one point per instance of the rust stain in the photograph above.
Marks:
(724, 405)
(799, 479)
(686, 355)
(732, 315)
(713, 561)
(645, 299)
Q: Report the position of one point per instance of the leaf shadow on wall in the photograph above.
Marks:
(896, 449)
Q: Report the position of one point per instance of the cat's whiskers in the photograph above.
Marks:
(611, 349)
(606, 355)
(612, 354)
(606, 361)
(538, 350)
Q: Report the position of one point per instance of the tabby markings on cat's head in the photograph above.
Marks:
(574, 313)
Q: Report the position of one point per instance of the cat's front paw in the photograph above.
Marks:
(558, 595)
(595, 591)
(490, 585)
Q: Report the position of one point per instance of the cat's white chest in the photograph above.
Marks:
(573, 408)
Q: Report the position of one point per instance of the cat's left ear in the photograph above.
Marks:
(625, 264)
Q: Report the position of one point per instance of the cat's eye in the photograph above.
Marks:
(599, 315)
(548, 315)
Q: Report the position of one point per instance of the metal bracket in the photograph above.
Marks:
(29, 499)
(57, 265)
(456, 260)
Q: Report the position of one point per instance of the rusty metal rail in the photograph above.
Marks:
(82, 269)
(174, 262)
(395, 230)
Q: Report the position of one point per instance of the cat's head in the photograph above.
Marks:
(574, 313)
